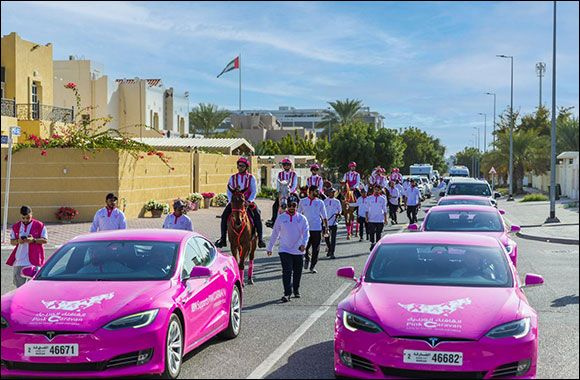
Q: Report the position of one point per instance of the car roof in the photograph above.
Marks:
(440, 238)
(474, 197)
(157, 234)
(462, 208)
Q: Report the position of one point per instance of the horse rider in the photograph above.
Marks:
(244, 181)
(291, 178)
(352, 177)
(393, 177)
(375, 175)
(381, 180)
(316, 180)
(399, 175)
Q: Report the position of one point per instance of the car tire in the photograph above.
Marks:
(173, 348)
(235, 324)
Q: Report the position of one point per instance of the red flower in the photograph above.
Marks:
(70, 85)
(85, 157)
(163, 133)
(172, 168)
(43, 153)
(99, 150)
(148, 153)
(142, 157)
(160, 154)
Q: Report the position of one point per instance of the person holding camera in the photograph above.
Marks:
(28, 236)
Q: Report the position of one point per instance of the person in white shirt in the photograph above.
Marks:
(352, 178)
(393, 195)
(110, 217)
(292, 230)
(313, 209)
(401, 191)
(316, 180)
(362, 213)
(413, 202)
(178, 220)
(376, 215)
(406, 187)
(291, 179)
(333, 209)
(382, 179)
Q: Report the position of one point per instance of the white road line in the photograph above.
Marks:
(271, 360)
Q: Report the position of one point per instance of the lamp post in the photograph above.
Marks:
(491, 93)
(329, 123)
(484, 130)
(478, 149)
(511, 193)
(540, 70)
(473, 156)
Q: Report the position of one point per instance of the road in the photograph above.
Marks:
(295, 340)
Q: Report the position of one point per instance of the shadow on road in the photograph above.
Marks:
(565, 301)
(313, 362)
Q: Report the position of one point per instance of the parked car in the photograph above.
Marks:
(436, 305)
(120, 303)
(472, 219)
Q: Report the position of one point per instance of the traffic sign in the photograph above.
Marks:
(4, 139)
(492, 170)
(15, 131)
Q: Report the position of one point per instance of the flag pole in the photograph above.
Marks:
(240, 63)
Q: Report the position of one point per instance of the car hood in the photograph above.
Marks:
(77, 306)
(443, 311)
(501, 236)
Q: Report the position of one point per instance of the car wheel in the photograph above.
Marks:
(173, 348)
(233, 329)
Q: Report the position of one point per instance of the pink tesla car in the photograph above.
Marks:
(437, 305)
(120, 303)
(471, 219)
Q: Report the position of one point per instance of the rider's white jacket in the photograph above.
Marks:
(243, 181)
(290, 177)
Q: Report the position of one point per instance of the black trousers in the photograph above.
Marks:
(376, 229)
(331, 240)
(314, 242)
(362, 223)
(412, 214)
(393, 212)
(291, 272)
(255, 215)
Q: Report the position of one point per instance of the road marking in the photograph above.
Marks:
(271, 360)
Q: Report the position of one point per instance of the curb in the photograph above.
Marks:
(548, 239)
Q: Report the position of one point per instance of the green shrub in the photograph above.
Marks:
(220, 200)
(154, 205)
(534, 198)
(270, 192)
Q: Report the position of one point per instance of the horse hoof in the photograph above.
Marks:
(250, 281)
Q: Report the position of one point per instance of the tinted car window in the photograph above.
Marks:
(439, 265)
(479, 221)
(481, 189)
(451, 201)
(111, 261)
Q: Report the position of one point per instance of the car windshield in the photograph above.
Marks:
(469, 189)
(439, 265)
(450, 201)
(111, 261)
(482, 221)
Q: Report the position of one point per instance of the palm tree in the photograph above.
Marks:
(344, 113)
(567, 135)
(207, 117)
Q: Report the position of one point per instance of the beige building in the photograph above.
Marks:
(27, 88)
(260, 127)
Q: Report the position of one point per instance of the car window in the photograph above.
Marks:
(205, 251)
(451, 201)
(476, 221)
(439, 265)
(481, 189)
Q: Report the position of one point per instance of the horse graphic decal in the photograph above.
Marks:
(85, 303)
(442, 308)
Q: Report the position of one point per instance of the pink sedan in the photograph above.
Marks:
(465, 200)
(120, 303)
(471, 219)
(437, 305)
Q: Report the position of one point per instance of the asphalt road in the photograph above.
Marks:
(270, 344)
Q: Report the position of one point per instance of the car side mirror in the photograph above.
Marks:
(497, 195)
(515, 228)
(426, 211)
(413, 227)
(502, 212)
(29, 272)
(533, 280)
(346, 272)
(200, 272)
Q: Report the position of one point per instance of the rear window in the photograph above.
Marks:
(480, 189)
(439, 265)
(451, 201)
(476, 221)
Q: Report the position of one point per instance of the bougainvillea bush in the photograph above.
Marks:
(66, 213)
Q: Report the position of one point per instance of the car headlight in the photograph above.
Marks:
(134, 320)
(355, 322)
(517, 329)
(5, 323)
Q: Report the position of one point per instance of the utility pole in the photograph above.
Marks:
(511, 167)
(540, 70)
(489, 93)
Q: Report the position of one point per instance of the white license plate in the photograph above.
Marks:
(433, 357)
(51, 350)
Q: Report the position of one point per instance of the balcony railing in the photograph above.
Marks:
(37, 111)
(8, 107)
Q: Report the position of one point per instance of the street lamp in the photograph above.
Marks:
(477, 161)
(491, 93)
(552, 218)
(484, 130)
(511, 193)
(473, 156)
(329, 122)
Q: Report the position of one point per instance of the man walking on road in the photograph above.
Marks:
(109, 217)
(376, 215)
(292, 230)
(313, 209)
(362, 214)
(178, 220)
(413, 202)
(334, 209)
(28, 236)
(393, 194)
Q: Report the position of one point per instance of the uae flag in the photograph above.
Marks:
(235, 64)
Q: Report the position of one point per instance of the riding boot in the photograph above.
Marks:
(258, 225)
(224, 227)
(275, 207)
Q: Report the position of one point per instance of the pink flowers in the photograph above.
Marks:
(43, 153)
(66, 213)
(70, 85)
(172, 168)
(85, 157)
(208, 195)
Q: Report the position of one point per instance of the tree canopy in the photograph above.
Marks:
(205, 118)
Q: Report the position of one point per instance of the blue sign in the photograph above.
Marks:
(4, 139)
(15, 131)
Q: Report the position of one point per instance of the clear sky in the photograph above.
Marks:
(426, 64)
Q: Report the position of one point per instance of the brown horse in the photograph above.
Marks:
(243, 241)
(347, 197)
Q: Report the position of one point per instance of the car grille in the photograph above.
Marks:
(124, 360)
(416, 374)
(54, 367)
(506, 370)
(362, 364)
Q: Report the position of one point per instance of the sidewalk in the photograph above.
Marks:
(531, 217)
(205, 221)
